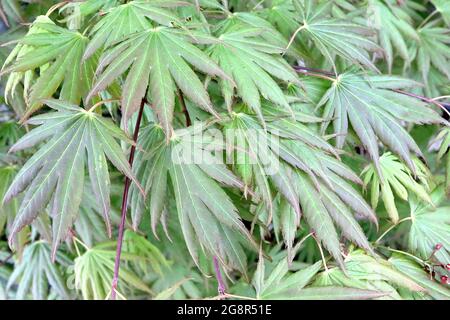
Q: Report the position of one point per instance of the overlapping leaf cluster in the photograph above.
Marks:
(267, 129)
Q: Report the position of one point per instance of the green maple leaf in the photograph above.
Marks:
(20, 50)
(208, 218)
(373, 110)
(279, 281)
(157, 59)
(332, 36)
(255, 162)
(209, 4)
(250, 20)
(94, 271)
(394, 27)
(127, 19)
(398, 178)
(306, 169)
(283, 16)
(55, 174)
(150, 256)
(432, 49)
(62, 50)
(251, 62)
(38, 275)
(430, 227)
(367, 273)
(88, 7)
(281, 284)
(415, 271)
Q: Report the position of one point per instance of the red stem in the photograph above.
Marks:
(312, 71)
(124, 206)
(324, 72)
(183, 105)
(221, 288)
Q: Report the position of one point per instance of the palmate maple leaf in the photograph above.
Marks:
(38, 275)
(157, 59)
(251, 62)
(54, 175)
(282, 15)
(281, 284)
(94, 270)
(298, 165)
(76, 11)
(332, 36)
(368, 273)
(432, 50)
(208, 218)
(409, 267)
(250, 20)
(58, 53)
(369, 106)
(127, 19)
(430, 226)
(15, 78)
(397, 177)
(394, 28)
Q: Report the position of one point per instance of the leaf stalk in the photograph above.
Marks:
(124, 206)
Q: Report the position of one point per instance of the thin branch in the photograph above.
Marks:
(124, 206)
(329, 76)
(429, 267)
(318, 73)
(3, 17)
(435, 249)
(183, 105)
(314, 70)
(221, 287)
(443, 106)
